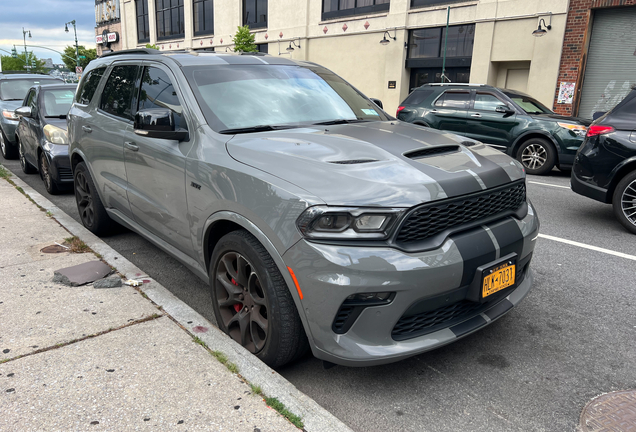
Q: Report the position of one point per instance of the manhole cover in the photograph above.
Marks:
(54, 249)
(611, 412)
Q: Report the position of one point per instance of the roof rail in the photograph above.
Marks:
(132, 51)
(458, 84)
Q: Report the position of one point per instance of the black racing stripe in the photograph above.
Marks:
(467, 326)
(490, 173)
(509, 237)
(501, 308)
(476, 248)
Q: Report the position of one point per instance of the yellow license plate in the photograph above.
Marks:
(498, 278)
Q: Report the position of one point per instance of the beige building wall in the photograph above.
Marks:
(504, 53)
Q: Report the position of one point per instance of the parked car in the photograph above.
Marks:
(508, 120)
(13, 88)
(605, 165)
(41, 134)
(317, 219)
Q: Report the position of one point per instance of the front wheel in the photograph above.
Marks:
(8, 151)
(624, 202)
(537, 156)
(27, 168)
(252, 302)
(90, 207)
(45, 173)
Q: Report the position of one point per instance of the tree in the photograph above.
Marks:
(244, 40)
(69, 56)
(153, 46)
(17, 64)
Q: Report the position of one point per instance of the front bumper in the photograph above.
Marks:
(328, 274)
(59, 162)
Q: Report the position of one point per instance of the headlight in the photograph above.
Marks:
(577, 130)
(55, 134)
(10, 114)
(323, 222)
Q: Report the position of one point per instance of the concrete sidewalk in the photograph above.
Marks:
(81, 358)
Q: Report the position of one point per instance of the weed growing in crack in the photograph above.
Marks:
(280, 407)
(76, 245)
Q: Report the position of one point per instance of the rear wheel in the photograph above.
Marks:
(8, 151)
(252, 302)
(624, 202)
(27, 168)
(537, 155)
(45, 173)
(90, 207)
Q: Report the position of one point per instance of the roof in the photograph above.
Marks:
(4, 75)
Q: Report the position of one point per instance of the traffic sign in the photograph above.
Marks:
(78, 69)
(82, 57)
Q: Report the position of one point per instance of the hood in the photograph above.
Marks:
(10, 104)
(57, 122)
(364, 164)
(557, 117)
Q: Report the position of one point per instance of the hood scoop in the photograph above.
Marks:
(431, 151)
(353, 161)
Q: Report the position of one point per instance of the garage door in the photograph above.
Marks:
(611, 62)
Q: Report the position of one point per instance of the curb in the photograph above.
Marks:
(315, 417)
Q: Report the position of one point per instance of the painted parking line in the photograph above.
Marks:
(590, 247)
(549, 184)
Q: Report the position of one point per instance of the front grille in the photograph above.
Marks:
(431, 151)
(65, 173)
(433, 218)
(447, 316)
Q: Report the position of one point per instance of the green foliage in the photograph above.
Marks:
(153, 46)
(17, 64)
(4, 173)
(280, 407)
(69, 56)
(244, 40)
(223, 359)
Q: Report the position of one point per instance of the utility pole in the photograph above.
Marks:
(26, 57)
(77, 63)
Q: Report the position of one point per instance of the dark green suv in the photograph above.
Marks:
(508, 120)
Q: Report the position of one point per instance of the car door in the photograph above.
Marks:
(155, 167)
(28, 131)
(488, 125)
(449, 111)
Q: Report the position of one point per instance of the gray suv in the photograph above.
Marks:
(318, 220)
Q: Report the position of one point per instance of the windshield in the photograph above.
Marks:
(16, 89)
(246, 96)
(529, 104)
(57, 103)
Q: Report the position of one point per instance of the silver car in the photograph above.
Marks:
(319, 221)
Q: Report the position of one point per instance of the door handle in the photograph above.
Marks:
(475, 115)
(433, 111)
(87, 129)
(131, 146)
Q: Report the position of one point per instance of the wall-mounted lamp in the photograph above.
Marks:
(540, 31)
(386, 41)
(290, 48)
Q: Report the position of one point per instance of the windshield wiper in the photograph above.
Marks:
(61, 116)
(340, 121)
(259, 128)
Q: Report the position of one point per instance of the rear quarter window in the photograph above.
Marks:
(417, 97)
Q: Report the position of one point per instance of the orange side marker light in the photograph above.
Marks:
(291, 272)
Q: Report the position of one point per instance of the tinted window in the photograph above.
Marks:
(417, 97)
(57, 103)
(89, 85)
(451, 99)
(487, 102)
(118, 91)
(157, 91)
(425, 43)
(16, 89)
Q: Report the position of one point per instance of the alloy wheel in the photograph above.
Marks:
(84, 199)
(2, 144)
(242, 302)
(628, 202)
(534, 156)
(45, 172)
(23, 162)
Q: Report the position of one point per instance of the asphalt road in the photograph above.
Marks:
(570, 340)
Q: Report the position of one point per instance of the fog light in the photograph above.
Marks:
(370, 297)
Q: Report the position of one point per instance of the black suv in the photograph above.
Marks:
(508, 120)
(605, 165)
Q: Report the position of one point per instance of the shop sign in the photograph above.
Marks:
(107, 10)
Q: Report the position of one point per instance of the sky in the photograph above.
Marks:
(45, 19)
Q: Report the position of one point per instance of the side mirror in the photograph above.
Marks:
(378, 102)
(503, 109)
(158, 123)
(24, 111)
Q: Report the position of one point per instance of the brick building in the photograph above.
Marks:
(598, 60)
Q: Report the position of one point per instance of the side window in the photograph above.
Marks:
(89, 85)
(157, 91)
(454, 99)
(417, 97)
(118, 91)
(487, 102)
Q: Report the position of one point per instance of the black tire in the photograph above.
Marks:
(624, 202)
(537, 156)
(27, 168)
(90, 207)
(252, 303)
(50, 184)
(8, 150)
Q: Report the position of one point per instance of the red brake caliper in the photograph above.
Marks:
(237, 306)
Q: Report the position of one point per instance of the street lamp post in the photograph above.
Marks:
(26, 57)
(77, 62)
